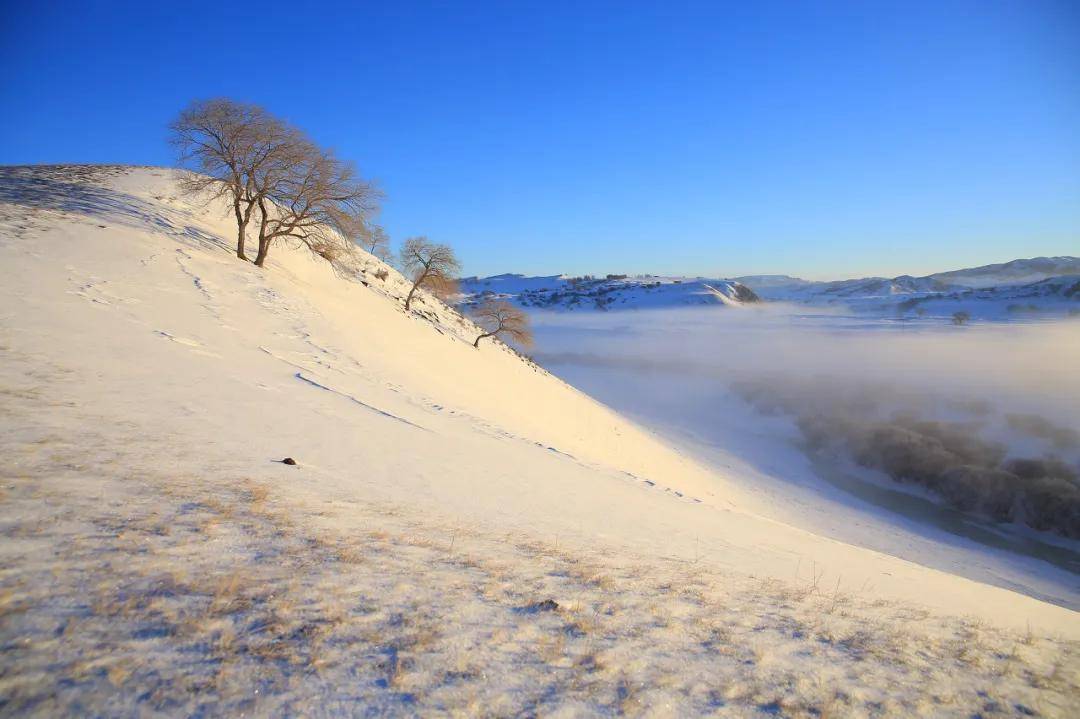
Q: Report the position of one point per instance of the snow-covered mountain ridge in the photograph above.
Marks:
(1021, 287)
(1043, 285)
(613, 292)
(1015, 272)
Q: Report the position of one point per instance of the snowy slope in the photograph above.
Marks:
(151, 381)
(559, 292)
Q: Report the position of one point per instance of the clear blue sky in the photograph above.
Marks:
(825, 139)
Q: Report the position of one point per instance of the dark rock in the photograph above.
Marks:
(289, 460)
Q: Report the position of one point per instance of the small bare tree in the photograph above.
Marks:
(431, 266)
(500, 318)
(236, 151)
(960, 318)
(376, 242)
(319, 200)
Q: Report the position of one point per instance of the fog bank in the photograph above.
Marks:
(986, 418)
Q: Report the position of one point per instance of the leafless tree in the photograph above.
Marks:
(319, 201)
(235, 150)
(443, 287)
(431, 266)
(257, 161)
(377, 242)
(500, 318)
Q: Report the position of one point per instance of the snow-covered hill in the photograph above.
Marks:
(462, 533)
(1037, 287)
(614, 292)
(1032, 287)
(1051, 297)
(1016, 272)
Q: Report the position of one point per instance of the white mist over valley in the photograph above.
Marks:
(929, 417)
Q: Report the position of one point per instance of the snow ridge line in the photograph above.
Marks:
(300, 376)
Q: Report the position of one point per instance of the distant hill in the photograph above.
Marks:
(1024, 287)
(1039, 286)
(761, 282)
(614, 292)
(1050, 297)
(1016, 272)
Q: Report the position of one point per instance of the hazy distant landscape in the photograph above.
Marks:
(883, 378)
(936, 409)
(922, 407)
(1025, 289)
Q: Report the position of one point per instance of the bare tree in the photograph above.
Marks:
(256, 161)
(319, 200)
(431, 266)
(443, 287)
(960, 318)
(235, 151)
(500, 318)
(377, 242)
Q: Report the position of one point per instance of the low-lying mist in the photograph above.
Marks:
(986, 418)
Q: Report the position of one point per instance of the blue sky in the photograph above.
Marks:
(824, 139)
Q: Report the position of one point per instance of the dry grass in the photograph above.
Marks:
(179, 596)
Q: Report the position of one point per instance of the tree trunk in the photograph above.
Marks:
(241, 231)
(264, 242)
(264, 250)
(476, 344)
(241, 236)
(408, 300)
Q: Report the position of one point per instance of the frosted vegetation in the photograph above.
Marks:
(887, 429)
